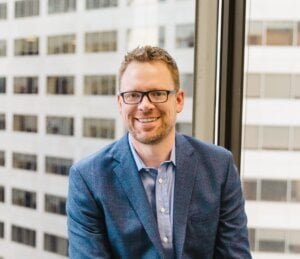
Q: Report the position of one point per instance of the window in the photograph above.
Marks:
(186, 83)
(60, 85)
(26, 123)
(2, 48)
(297, 85)
(255, 33)
(184, 127)
(150, 35)
(26, 85)
(101, 41)
(27, 46)
(2, 121)
(250, 189)
(62, 44)
(100, 85)
(55, 204)
(24, 198)
(2, 193)
(298, 33)
(296, 139)
(2, 85)
(185, 36)
(295, 191)
(2, 158)
(273, 190)
(99, 128)
(251, 137)
(25, 161)
(1, 229)
(279, 33)
(26, 8)
(59, 125)
(94, 4)
(57, 165)
(24, 236)
(277, 86)
(3, 11)
(294, 242)
(61, 6)
(275, 137)
(56, 244)
(253, 82)
(271, 240)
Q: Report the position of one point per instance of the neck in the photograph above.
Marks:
(153, 155)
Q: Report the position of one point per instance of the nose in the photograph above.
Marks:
(145, 103)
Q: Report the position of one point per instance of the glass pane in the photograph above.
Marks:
(271, 134)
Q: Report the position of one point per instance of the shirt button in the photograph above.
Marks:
(165, 240)
(162, 210)
(160, 180)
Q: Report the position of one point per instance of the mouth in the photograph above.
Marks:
(147, 120)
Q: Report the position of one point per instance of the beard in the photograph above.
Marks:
(151, 138)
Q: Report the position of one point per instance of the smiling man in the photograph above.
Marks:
(155, 193)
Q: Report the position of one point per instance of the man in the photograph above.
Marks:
(155, 193)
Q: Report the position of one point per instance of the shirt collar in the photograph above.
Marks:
(139, 163)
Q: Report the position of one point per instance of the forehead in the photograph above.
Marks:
(153, 74)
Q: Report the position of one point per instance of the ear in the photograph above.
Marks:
(179, 100)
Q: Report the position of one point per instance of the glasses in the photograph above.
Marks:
(154, 96)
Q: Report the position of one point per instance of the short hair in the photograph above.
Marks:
(150, 54)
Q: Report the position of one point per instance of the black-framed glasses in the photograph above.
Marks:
(154, 96)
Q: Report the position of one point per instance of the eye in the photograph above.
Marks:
(158, 93)
(133, 95)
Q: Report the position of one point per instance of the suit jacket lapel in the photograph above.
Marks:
(184, 181)
(131, 182)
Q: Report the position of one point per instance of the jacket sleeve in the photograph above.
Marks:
(86, 227)
(232, 237)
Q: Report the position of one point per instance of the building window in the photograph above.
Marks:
(184, 127)
(277, 86)
(60, 125)
(61, 6)
(2, 85)
(62, 44)
(295, 191)
(2, 48)
(273, 190)
(187, 83)
(26, 85)
(253, 85)
(255, 33)
(275, 137)
(2, 121)
(100, 85)
(24, 161)
(271, 240)
(296, 139)
(99, 128)
(60, 85)
(24, 236)
(294, 242)
(1, 230)
(185, 36)
(26, 8)
(251, 137)
(2, 193)
(59, 166)
(297, 85)
(2, 158)
(26, 123)
(250, 189)
(24, 198)
(101, 41)
(279, 33)
(3, 11)
(55, 204)
(56, 244)
(95, 4)
(27, 46)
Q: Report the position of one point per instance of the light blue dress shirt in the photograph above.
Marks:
(163, 179)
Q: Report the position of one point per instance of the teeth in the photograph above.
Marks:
(148, 120)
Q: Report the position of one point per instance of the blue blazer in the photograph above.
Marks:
(109, 215)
